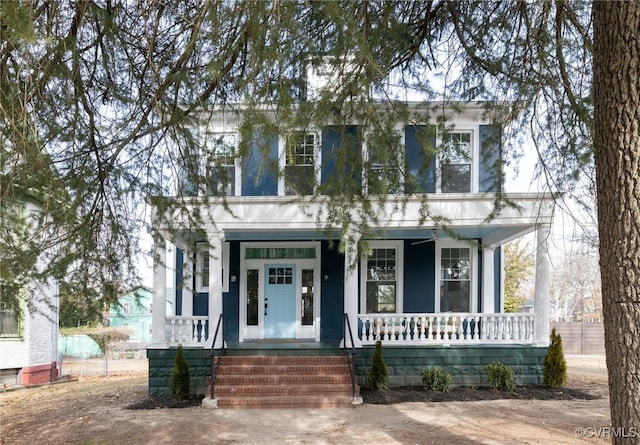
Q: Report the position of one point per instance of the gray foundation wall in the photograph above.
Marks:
(466, 364)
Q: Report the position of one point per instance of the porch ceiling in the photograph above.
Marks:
(489, 235)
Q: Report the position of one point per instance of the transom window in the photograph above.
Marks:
(382, 276)
(455, 162)
(455, 279)
(299, 169)
(221, 163)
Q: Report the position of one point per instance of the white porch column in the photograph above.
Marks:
(488, 278)
(351, 285)
(543, 286)
(187, 282)
(159, 309)
(215, 286)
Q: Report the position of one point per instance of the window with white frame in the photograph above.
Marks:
(300, 152)
(221, 163)
(203, 261)
(456, 265)
(456, 156)
(9, 317)
(382, 277)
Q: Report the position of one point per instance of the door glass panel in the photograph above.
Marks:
(307, 297)
(252, 297)
(455, 280)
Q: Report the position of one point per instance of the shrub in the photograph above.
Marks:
(436, 379)
(500, 376)
(554, 370)
(180, 382)
(378, 377)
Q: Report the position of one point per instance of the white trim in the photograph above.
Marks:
(398, 245)
(257, 332)
(473, 257)
(475, 156)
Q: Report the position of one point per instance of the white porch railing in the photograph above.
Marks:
(446, 328)
(187, 330)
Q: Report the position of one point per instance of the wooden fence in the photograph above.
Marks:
(581, 338)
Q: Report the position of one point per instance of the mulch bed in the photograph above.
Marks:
(470, 394)
(413, 394)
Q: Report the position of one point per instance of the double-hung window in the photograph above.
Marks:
(383, 155)
(456, 156)
(221, 163)
(456, 278)
(382, 277)
(300, 150)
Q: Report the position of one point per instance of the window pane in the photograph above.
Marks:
(252, 297)
(205, 268)
(299, 179)
(307, 297)
(381, 281)
(456, 178)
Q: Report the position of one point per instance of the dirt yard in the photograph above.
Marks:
(93, 410)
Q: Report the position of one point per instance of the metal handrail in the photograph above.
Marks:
(214, 364)
(350, 361)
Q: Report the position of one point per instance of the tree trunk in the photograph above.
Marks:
(616, 92)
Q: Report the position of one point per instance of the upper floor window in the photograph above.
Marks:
(382, 277)
(300, 153)
(456, 156)
(221, 163)
(384, 174)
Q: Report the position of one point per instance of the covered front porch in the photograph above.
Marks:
(334, 283)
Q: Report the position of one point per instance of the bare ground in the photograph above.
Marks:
(93, 410)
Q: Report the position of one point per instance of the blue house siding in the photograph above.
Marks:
(332, 294)
(419, 277)
(260, 167)
(335, 158)
(420, 142)
(490, 179)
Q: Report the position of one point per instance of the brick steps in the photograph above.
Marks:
(283, 382)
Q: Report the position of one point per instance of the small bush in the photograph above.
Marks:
(500, 376)
(180, 382)
(378, 377)
(436, 379)
(554, 370)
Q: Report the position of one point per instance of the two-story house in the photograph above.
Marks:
(262, 255)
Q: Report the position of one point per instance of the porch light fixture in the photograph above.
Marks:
(234, 276)
(325, 275)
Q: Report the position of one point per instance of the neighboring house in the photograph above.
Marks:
(28, 329)
(133, 311)
(433, 296)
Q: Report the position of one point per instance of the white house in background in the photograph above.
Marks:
(29, 333)
(434, 297)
